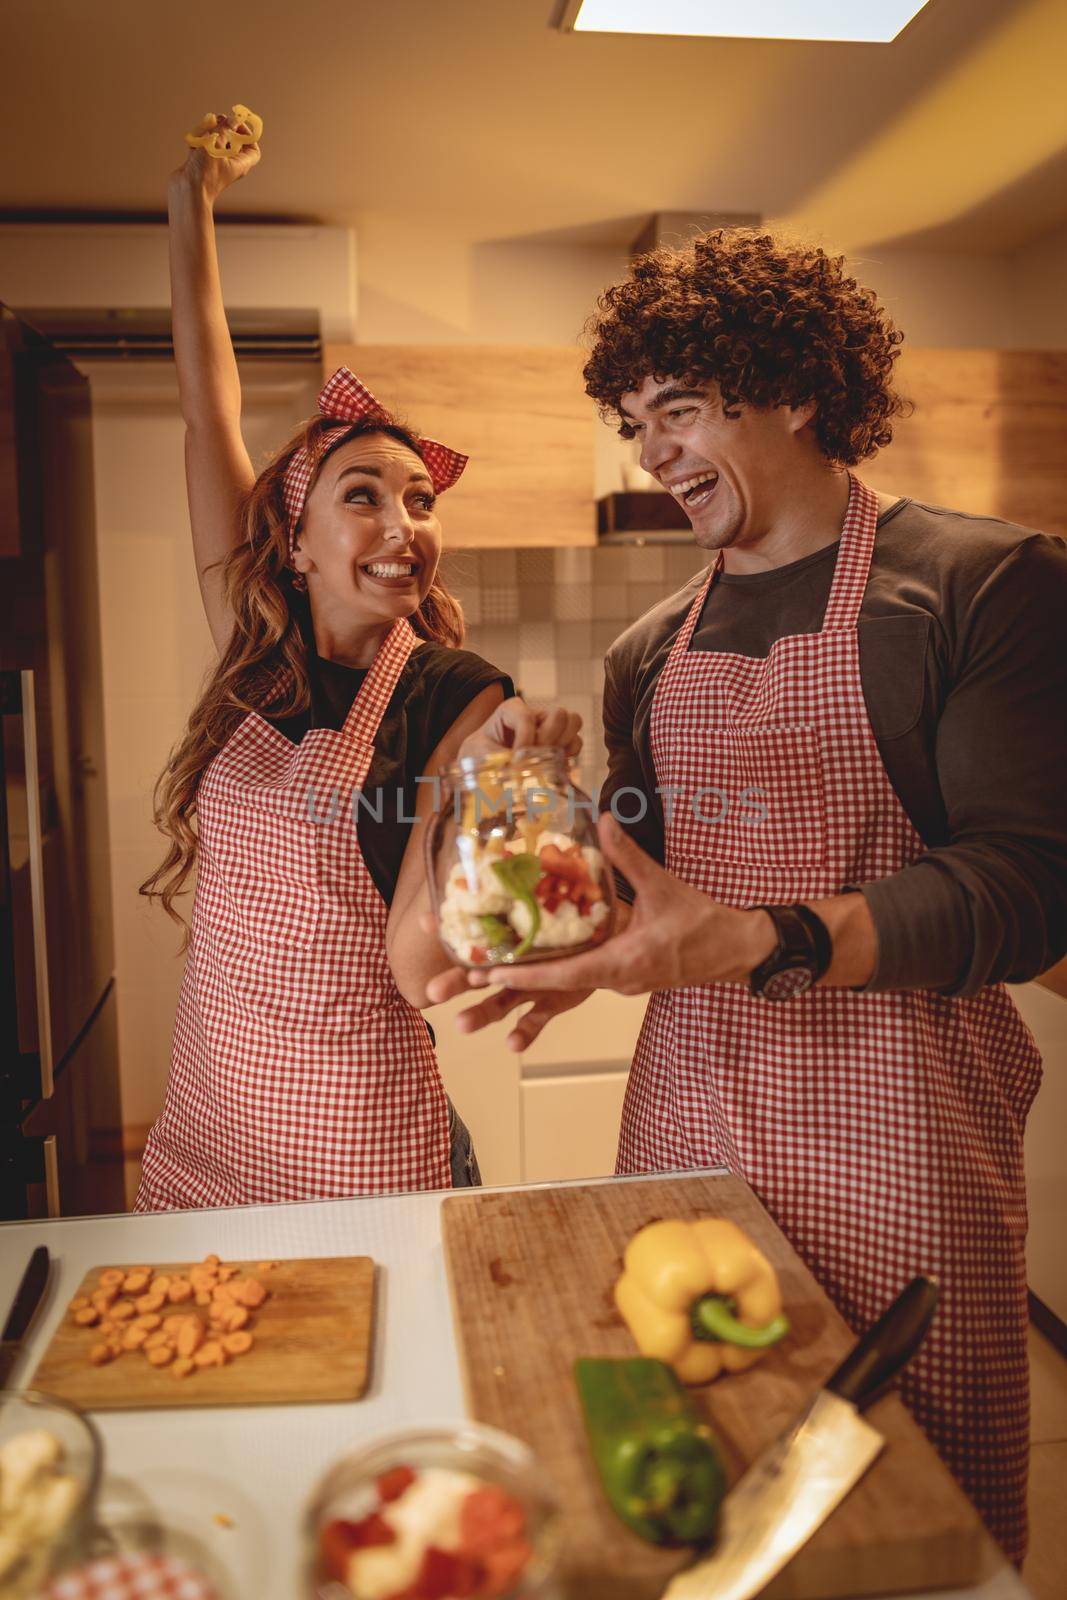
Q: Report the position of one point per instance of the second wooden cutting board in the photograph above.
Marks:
(312, 1342)
(532, 1273)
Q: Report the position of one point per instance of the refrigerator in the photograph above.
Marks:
(60, 1108)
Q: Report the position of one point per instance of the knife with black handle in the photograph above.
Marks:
(28, 1297)
(887, 1346)
(798, 1480)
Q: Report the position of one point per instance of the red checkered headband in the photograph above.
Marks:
(344, 400)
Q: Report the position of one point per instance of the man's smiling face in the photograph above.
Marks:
(729, 472)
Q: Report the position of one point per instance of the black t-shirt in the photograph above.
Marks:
(964, 676)
(434, 689)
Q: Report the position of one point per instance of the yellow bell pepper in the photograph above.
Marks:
(221, 135)
(699, 1296)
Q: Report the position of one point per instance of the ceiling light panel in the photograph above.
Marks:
(843, 21)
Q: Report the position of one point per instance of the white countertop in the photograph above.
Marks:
(258, 1464)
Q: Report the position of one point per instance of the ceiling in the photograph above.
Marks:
(482, 112)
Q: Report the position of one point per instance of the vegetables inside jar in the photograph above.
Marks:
(515, 868)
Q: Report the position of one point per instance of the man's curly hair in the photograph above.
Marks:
(772, 323)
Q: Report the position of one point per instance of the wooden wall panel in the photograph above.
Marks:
(519, 412)
(988, 434)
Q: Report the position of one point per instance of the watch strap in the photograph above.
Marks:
(803, 942)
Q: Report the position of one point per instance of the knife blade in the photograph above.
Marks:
(797, 1481)
(27, 1298)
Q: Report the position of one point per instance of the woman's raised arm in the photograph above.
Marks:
(218, 471)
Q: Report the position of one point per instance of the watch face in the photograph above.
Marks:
(785, 985)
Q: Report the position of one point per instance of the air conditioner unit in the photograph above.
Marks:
(101, 290)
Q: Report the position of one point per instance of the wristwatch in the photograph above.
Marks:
(801, 958)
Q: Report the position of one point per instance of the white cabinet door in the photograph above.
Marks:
(570, 1125)
(1046, 1167)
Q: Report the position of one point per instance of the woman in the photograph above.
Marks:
(302, 1068)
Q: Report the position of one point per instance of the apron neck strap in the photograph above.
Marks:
(850, 570)
(376, 690)
(853, 557)
(697, 608)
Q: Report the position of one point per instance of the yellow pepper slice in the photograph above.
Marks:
(223, 135)
(669, 1266)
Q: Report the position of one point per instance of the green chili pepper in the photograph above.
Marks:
(713, 1317)
(519, 876)
(657, 1459)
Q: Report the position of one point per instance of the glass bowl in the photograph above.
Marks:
(349, 1491)
(28, 1411)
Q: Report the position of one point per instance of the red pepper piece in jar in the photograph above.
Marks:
(336, 1544)
(338, 1540)
(503, 1567)
(568, 864)
(447, 1575)
(490, 1517)
(392, 1484)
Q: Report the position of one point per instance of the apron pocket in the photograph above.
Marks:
(268, 862)
(755, 797)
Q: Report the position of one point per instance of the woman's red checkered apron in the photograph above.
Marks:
(882, 1131)
(299, 1070)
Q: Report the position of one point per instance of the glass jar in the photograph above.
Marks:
(352, 1492)
(515, 868)
(49, 1519)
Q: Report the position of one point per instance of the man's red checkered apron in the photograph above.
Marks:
(883, 1132)
(299, 1071)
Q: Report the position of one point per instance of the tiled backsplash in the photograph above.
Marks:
(547, 617)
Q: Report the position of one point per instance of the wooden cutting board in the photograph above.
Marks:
(531, 1274)
(311, 1342)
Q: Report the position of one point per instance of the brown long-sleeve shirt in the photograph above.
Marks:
(963, 661)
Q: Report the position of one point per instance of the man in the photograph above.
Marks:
(846, 742)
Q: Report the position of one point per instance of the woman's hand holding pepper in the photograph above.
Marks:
(208, 176)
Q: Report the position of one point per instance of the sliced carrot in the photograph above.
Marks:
(190, 1336)
(236, 1344)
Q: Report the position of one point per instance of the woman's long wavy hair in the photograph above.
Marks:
(265, 664)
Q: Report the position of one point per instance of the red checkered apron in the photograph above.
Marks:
(883, 1132)
(299, 1070)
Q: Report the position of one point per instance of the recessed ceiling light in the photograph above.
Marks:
(869, 22)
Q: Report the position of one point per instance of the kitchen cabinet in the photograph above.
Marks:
(521, 414)
(1045, 1015)
(553, 1111)
(986, 434)
(570, 1123)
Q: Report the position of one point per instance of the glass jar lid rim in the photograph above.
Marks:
(523, 756)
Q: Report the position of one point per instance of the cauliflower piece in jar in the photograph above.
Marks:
(561, 929)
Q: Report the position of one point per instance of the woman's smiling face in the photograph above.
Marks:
(370, 541)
